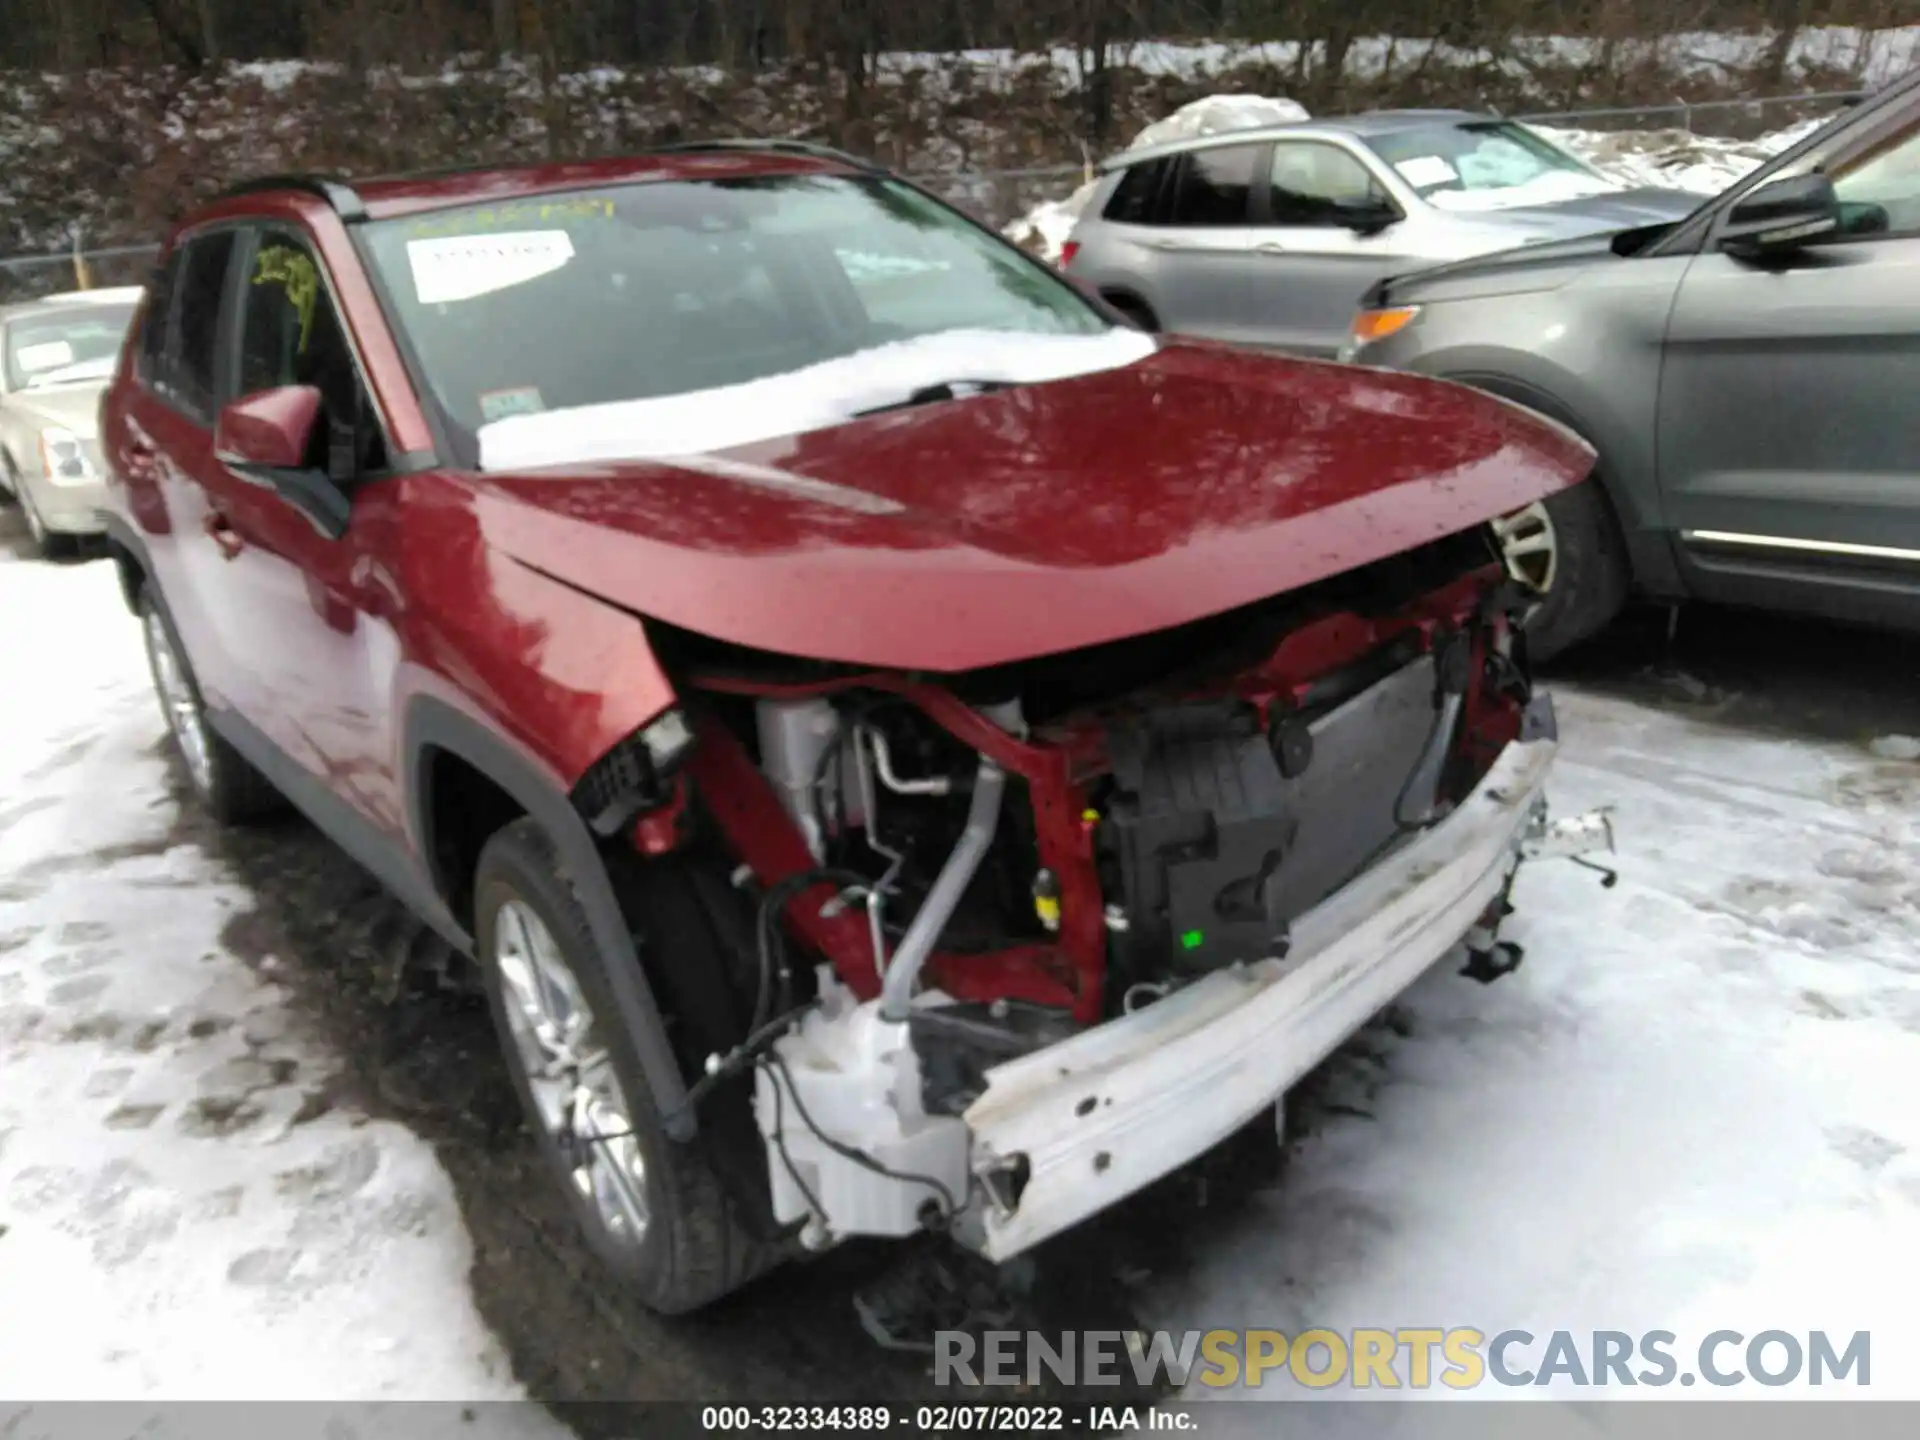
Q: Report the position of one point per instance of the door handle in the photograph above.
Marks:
(1270, 247)
(1161, 244)
(225, 538)
(142, 456)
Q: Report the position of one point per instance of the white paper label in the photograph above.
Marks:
(50, 356)
(1425, 170)
(460, 267)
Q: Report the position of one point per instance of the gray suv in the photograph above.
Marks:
(1748, 377)
(1271, 236)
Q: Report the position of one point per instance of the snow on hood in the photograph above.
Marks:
(815, 398)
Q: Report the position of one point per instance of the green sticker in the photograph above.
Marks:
(503, 404)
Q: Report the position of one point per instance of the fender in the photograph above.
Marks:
(432, 723)
(1629, 488)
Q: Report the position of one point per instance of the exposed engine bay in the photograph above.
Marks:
(959, 873)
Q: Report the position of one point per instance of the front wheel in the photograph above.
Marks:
(651, 1209)
(1568, 547)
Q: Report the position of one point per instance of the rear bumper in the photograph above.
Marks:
(1114, 1108)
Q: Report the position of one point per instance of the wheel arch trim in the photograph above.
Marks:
(433, 724)
(129, 554)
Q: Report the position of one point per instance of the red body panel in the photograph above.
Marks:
(1021, 523)
(1046, 518)
(409, 195)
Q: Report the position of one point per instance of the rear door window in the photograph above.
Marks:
(156, 329)
(191, 372)
(1136, 199)
(1214, 187)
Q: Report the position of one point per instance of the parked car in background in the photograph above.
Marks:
(1271, 236)
(1748, 378)
(56, 356)
(837, 681)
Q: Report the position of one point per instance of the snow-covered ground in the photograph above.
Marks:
(1691, 1109)
(187, 1211)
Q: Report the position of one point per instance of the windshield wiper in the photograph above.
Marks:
(936, 393)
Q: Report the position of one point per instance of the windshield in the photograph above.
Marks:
(1487, 165)
(66, 347)
(671, 289)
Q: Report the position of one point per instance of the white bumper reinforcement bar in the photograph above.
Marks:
(1100, 1115)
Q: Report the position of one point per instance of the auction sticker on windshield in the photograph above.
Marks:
(50, 356)
(462, 267)
(1425, 170)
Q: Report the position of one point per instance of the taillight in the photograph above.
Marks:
(1067, 252)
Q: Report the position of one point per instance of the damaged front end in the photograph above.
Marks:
(1030, 938)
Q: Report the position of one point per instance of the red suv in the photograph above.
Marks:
(904, 748)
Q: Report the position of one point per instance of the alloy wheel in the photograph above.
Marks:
(178, 700)
(569, 1072)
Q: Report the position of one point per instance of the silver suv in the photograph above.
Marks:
(1271, 236)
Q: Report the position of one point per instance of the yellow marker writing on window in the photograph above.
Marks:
(295, 272)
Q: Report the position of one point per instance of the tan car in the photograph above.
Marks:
(56, 356)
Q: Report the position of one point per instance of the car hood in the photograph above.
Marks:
(1567, 239)
(1035, 520)
(1528, 270)
(71, 407)
(1606, 213)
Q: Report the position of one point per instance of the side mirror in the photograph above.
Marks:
(1368, 217)
(268, 432)
(268, 439)
(1781, 216)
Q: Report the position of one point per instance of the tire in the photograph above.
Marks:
(227, 786)
(1590, 577)
(691, 1248)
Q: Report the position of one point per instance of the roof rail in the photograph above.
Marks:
(776, 145)
(337, 193)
